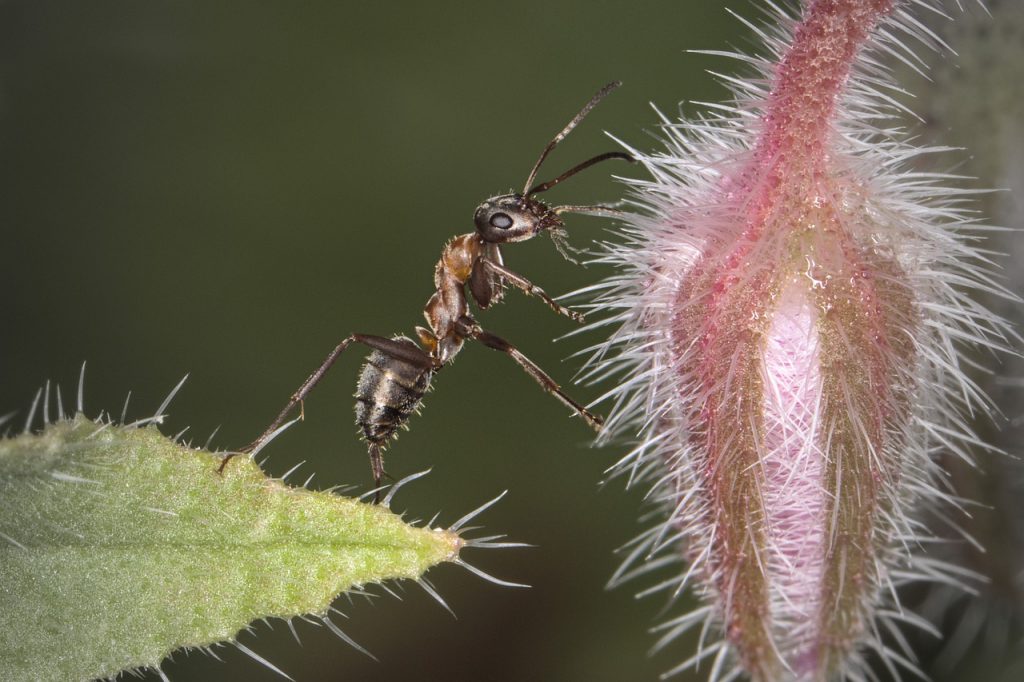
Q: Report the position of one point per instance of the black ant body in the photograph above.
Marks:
(398, 371)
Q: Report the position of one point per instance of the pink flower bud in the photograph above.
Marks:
(791, 310)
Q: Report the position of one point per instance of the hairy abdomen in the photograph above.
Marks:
(389, 390)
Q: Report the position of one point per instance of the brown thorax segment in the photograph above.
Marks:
(448, 304)
(466, 260)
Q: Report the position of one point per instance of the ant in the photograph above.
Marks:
(398, 371)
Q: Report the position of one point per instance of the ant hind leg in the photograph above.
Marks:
(402, 351)
(473, 330)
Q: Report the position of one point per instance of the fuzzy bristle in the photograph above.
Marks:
(791, 304)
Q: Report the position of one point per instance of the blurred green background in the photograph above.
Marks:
(229, 188)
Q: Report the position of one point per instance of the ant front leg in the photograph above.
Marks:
(389, 346)
(529, 288)
(470, 329)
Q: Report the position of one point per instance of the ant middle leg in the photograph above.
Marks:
(471, 329)
(530, 289)
(391, 347)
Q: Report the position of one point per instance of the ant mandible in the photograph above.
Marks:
(398, 371)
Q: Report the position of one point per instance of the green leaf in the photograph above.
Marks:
(118, 546)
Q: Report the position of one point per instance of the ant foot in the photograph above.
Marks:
(224, 462)
(595, 422)
(571, 314)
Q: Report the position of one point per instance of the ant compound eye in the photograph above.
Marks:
(502, 221)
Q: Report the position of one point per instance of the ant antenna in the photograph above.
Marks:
(545, 186)
(600, 95)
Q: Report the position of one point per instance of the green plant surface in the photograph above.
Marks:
(119, 546)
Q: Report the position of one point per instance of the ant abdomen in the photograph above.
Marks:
(389, 390)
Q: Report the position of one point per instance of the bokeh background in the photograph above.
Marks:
(227, 189)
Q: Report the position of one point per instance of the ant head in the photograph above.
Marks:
(512, 218)
(519, 216)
